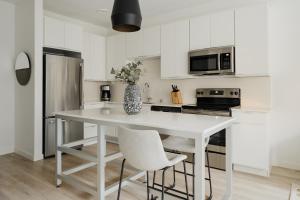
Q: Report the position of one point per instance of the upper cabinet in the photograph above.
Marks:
(251, 39)
(151, 38)
(200, 32)
(134, 44)
(222, 29)
(116, 53)
(144, 43)
(62, 35)
(174, 49)
(54, 33)
(94, 55)
(212, 30)
(73, 37)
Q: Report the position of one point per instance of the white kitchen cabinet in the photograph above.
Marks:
(251, 36)
(116, 53)
(200, 32)
(151, 39)
(174, 49)
(251, 148)
(94, 55)
(134, 45)
(62, 35)
(144, 43)
(54, 33)
(222, 29)
(73, 37)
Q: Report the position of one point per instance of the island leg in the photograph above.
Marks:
(200, 168)
(228, 193)
(58, 157)
(101, 145)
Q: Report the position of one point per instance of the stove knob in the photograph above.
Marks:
(236, 93)
(231, 93)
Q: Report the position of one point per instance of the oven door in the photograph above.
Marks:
(203, 62)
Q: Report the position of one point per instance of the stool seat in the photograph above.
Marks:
(181, 144)
(143, 149)
(174, 159)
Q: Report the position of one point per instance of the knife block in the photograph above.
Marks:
(176, 97)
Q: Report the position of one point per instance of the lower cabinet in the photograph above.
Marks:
(251, 148)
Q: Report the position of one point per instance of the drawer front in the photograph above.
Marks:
(250, 117)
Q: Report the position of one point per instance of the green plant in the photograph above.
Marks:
(130, 73)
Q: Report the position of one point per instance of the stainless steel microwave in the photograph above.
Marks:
(219, 60)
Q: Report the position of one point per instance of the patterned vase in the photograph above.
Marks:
(132, 99)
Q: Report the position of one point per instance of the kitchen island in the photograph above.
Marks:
(198, 127)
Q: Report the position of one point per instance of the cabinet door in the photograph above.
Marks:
(99, 57)
(116, 56)
(250, 145)
(174, 50)
(151, 41)
(94, 54)
(54, 33)
(222, 29)
(73, 37)
(251, 35)
(200, 33)
(87, 56)
(134, 45)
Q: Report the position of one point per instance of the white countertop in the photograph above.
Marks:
(251, 109)
(190, 124)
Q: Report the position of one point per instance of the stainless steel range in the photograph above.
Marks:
(215, 102)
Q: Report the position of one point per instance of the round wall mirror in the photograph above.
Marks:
(23, 68)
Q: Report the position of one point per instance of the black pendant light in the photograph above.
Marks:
(126, 16)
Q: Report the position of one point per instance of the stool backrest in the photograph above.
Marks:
(142, 149)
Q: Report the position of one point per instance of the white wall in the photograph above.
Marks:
(7, 77)
(255, 91)
(285, 66)
(28, 103)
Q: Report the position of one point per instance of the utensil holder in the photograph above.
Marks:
(176, 97)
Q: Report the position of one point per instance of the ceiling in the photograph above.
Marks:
(86, 10)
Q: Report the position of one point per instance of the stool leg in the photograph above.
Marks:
(193, 172)
(121, 177)
(148, 190)
(163, 185)
(209, 175)
(186, 181)
(174, 177)
(154, 175)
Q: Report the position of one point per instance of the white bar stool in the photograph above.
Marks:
(182, 145)
(143, 150)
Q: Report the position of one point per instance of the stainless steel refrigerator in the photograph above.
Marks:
(62, 91)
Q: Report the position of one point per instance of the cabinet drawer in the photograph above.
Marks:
(250, 117)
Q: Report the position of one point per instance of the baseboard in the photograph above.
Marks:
(288, 165)
(6, 151)
(112, 139)
(38, 157)
(24, 154)
(250, 170)
(295, 192)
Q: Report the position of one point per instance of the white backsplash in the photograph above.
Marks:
(255, 90)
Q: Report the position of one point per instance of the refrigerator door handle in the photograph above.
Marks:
(81, 84)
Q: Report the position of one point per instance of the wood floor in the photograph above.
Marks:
(21, 179)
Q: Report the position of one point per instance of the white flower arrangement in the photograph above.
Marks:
(130, 73)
